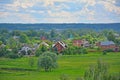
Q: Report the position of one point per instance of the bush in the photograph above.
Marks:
(47, 61)
(104, 52)
(109, 50)
(83, 51)
(64, 77)
(12, 55)
(98, 72)
(31, 62)
(3, 51)
(38, 53)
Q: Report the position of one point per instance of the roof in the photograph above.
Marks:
(107, 43)
(44, 43)
(61, 43)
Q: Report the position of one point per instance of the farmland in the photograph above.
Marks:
(72, 65)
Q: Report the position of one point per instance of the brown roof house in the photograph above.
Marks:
(105, 45)
(59, 46)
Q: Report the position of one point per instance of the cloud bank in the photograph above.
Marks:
(59, 11)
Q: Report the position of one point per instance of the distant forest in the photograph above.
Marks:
(62, 26)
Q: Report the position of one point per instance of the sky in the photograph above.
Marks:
(59, 11)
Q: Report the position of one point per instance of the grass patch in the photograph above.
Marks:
(72, 65)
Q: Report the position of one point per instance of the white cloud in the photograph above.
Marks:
(26, 18)
(18, 17)
(4, 14)
(110, 6)
(23, 10)
(62, 14)
(61, 20)
(88, 2)
(17, 4)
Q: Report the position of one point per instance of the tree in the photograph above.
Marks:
(52, 33)
(24, 38)
(99, 72)
(38, 52)
(0, 43)
(3, 51)
(47, 61)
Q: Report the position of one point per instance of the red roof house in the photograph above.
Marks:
(59, 46)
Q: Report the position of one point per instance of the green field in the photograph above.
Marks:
(72, 65)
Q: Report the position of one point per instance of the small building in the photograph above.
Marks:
(59, 46)
(81, 43)
(105, 45)
(78, 43)
(43, 38)
(26, 50)
(44, 43)
(16, 37)
(86, 43)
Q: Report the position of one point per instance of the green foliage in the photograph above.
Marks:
(12, 55)
(31, 62)
(43, 48)
(47, 61)
(64, 77)
(24, 38)
(107, 51)
(38, 52)
(72, 50)
(104, 52)
(72, 65)
(3, 51)
(98, 72)
(0, 43)
(53, 33)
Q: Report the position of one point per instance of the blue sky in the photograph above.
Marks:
(59, 11)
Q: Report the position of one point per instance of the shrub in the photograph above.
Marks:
(12, 55)
(38, 52)
(47, 61)
(104, 52)
(64, 77)
(31, 62)
(98, 72)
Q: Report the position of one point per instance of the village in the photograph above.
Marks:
(60, 46)
(71, 45)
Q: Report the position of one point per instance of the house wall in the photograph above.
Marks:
(78, 43)
(104, 47)
(59, 47)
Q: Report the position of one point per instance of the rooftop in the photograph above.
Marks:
(107, 43)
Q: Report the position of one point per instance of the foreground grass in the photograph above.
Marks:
(73, 65)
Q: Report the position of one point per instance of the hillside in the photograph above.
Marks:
(48, 26)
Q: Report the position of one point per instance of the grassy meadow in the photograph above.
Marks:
(72, 65)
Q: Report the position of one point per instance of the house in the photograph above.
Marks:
(16, 37)
(43, 38)
(86, 43)
(105, 45)
(81, 43)
(78, 43)
(44, 43)
(59, 46)
(116, 35)
(25, 50)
